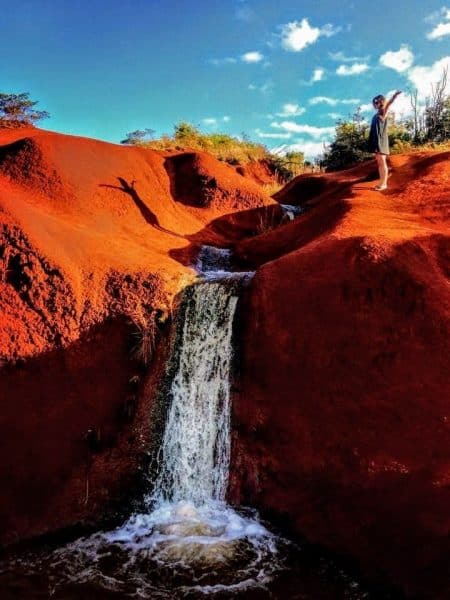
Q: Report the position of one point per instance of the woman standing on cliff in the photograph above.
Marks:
(378, 137)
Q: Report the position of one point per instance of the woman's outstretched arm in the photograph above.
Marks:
(389, 102)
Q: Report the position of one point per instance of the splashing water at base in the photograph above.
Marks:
(176, 550)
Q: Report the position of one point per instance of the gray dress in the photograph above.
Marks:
(378, 136)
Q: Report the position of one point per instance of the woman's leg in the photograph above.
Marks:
(382, 169)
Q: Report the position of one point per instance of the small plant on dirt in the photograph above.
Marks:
(268, 220)
(145, 334)
(272, 188)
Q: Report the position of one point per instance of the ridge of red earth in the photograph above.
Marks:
(96, 239)
(342, 412)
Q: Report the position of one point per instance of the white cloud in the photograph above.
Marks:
(439, 31)
(368, 107)
(436, 15)
(323, 100)
(265, 88)
(291, 110)
(214, 121)
(334, 115)
(442, 28)
(313, 131)
(424, 77)
(295, 36)
(271, 135)
(341, 57)
(400, 61)
(228, 60)
(309, 148)
(329, 30)
(402, 105)
(248, 57)
(252, 57)
(317, 75)
(354, 69)
(332, 101)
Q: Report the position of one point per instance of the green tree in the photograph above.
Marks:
(17, 110)
(184, 131)
(400, 136)
(349, 146)
(288, 166)
(138, 137)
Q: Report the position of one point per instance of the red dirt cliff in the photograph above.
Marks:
(342, 415)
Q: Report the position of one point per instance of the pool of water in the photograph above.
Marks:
(180, 551)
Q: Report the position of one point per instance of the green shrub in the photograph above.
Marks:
(17, 110)
(349, 146)
(225, 147)
(230, 149)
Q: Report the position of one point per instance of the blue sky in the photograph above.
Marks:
(280, 72)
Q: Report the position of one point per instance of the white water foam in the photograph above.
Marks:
(292, 211)
(216, 264)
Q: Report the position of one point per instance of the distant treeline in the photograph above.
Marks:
(230, 149)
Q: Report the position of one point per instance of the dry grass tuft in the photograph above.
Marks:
(145, 334)
(268, 220)
(272, 188)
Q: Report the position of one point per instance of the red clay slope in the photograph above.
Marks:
(89, 232)
(78, 214)
(342, 416)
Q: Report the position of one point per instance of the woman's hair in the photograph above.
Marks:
(378, 98)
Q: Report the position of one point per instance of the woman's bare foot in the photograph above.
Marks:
(380, 188)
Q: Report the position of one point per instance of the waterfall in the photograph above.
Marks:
(187, 529)
(195, 453)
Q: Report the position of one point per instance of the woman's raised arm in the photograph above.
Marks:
(389, 102)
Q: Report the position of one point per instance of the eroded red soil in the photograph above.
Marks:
(342, 414)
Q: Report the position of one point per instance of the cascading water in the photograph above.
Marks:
(195, 452)
(189, 528)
